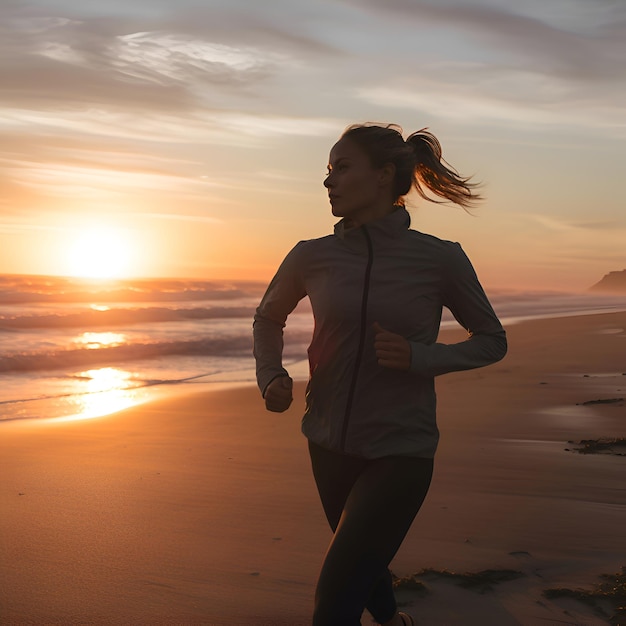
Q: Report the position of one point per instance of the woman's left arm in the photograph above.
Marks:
(466, 299)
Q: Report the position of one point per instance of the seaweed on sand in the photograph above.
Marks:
(410, 583)
(482, 581)
(612, 445)
(611, 592)
(601, 401)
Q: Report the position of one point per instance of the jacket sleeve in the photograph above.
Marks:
(464, 296)
(283, 294)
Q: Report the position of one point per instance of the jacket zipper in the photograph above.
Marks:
(363, 330)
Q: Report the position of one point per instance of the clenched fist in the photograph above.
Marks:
(279, 394)
(392, 351)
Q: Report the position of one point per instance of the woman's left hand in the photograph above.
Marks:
(392, 351)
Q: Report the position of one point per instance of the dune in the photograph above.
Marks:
(200, 508)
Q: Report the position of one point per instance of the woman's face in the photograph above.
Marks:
(356, 189)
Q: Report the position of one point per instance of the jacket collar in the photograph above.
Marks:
(388, 227)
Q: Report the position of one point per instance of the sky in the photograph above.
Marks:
(191, 138)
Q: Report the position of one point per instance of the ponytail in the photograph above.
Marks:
(436, 174)
(418, 162)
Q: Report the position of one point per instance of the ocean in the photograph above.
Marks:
(78, 348)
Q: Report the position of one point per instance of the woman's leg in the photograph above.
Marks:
(335, 475)
(370, 505)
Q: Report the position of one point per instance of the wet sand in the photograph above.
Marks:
(200, 508)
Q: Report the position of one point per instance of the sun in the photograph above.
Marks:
(100, 253)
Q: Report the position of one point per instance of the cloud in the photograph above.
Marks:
(601, 225)
(190, 58)
(19, 227)
(179, 217)
(184, 59)
(197, 127)
(567, 225)
(500, 65)
(165, 78)
(479, 94)
(592, 51)
(70, 65)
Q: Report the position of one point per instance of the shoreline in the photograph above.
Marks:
(53, 406)
(200, 508)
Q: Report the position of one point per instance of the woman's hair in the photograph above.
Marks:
(418, 162)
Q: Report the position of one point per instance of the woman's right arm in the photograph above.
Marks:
(283, 294)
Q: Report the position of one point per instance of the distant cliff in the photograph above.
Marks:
(613, 282)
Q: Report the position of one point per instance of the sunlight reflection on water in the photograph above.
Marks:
(93, 341)
(104, 391)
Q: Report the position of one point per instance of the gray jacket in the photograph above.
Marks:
(387, 273)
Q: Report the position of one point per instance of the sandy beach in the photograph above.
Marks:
(201, 509)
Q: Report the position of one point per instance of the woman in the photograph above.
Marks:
(377, 289)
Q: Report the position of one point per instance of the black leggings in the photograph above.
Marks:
(370, 505)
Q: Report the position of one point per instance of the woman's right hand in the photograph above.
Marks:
(279, 394)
